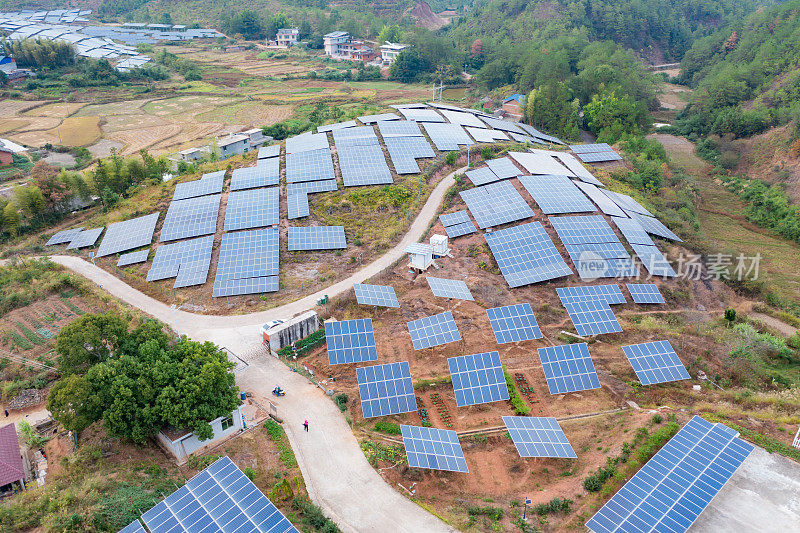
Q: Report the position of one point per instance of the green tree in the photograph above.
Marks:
(72, 403)
(407, 66)
(610, 116)
(88, 340)
(11, 219)
(389, 32)
(246, 23)
(553, 108)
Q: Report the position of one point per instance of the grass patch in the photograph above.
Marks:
(520, 407)
(389, 428)
(278, 436)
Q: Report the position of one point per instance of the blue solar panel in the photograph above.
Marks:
(525, 254)
(451, 219)
(597, 195)
(654, 226)
(237, 287)
(645, 293)
(405, 151)
(611, 294)
(447, 137)
(132, 258)
(482, 176)
(85, 238)
(312, 165)
(653, 260)
(556, 194)
(568, 368)
(591, 266)
(601, 250)
(483, 135)
(248, 255)
(210, 183)
(363, 164)
(449, 288)
(380, 295)
(128, 234)
(401, 128)
(421, 115)
(478, 378)
(337, 126)
(462, 118)
(268, 152)
(186, 261)
(538, 436)
(496, 204)
(514, 323)
(627, 203)
(671, 490)
(655, 362)
(350, 341)
(191, 218)
(592, 318)
(306, 142)
(381, 117)
(437, 449)
(583, 229)
(253, 208)
(433, 330)
(633, 231)
(265, 174)
(297, 196)
(386, 389)
(504, 168)
(64, 236)
(133, 527)
(316, 238)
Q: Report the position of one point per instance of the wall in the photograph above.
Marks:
(188, 444)
(292, 331)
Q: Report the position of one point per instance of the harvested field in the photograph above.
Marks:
(114, 123)
(135, 140)
(247, 113)
(77, 131)
(57, 110)
(15, 107)
(128, 107)
(12, 124)
(184, 104)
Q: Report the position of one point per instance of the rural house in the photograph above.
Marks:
(183, 443)
(7, 64)
(286, 37)
(339, 45)
(390, 51)
(513, 106)
(11, 468)
(235, 144)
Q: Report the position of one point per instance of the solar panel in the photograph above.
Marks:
(237, 287)
(627, 203)
(405, 150)
(482, 176)
(478, 378)
(654, 261)
(655, 362)
(297, 196)
(363, 165)
(457, 224)
(463, 119)
(645, 293)
(186, 261)
(654, 226)
(583, 229)
(360, 135)
(248, 254)
(316, 238)
(386, 389)
(451, 219)
(591, 267)
(600, 157)
(416, 105)
(63, 236)
(440, 105)
(437, 449)
(380, 117)
(400, 128)
(447, 137)
(129, 234)
(312, 165)
(574, 166)
(589, 148)
(496, 204)
(85, 238)
(525, 138)
(530, 130)
(633, 231)
(133, 258)
(191, 218)
(433, 330)
(485, 135)
(610, 294)
(379, 295)
(514, 323)
(599, 197)
(252, 209)
(460, 230)
(538, 436)
(219, 498)
(449, 288)
(595, 250)
(540, 164)
(307, 142)
(500, 124)
(592, 317)
(421, 115)
(133, 527)
(671, 490)
(337, 126)
(266, 152)
(350, 341)
(504, 168)
(568, 368)
(556, 194)
(525, 254)
(265, 174)
(210, 183)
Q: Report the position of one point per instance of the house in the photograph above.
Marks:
(11, 468)
(390, 51)
(234, 144)
(183, 443)
(7, 64)
(339, 45)
(256, 137)
(514, 105)
(287, 37)
(193, 154)
(6, 156)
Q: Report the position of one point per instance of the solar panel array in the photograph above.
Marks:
(219, 498)
(386, 389)
(316, 238)
(191, 218)
(85, 238)
(482, 176)
(655, 362)
(457, 224)
(462, 119)
(337, 126)
(477, 378)
(404, 151)
(654, 261)
(514, 323)
(530, 130)
(589, 148)
(248, 262)
(610, 294)
(265, 174)
(556, 194)
(311, 165)
(252, 209)
(63, 236)
(574, 166)
(129, 234)
(433, 330)
(654, 226)
(568, 368)
(437, 449)
(186, 261)
(266, 152)
(627, 203)
(592, 317)
(133, 527)
(447, 137)
(671, 490)
(400, 128)
(381, 117)
(379, 295)
(500, 124)
(450, 288)
(297, 196)
(421, 115)
(361, 159)
(645, 293)
(599, 197)
(592, 250)
(536, 163)
(307, 142)
(496, 204)
(594, 247)
(538, 436)
(132, 258)
(485, 135)
(633, 231)
(525, 254)
(350, 341)
(503, 168)
(210, 183)
(520, 138)
(600, 157)
(583, 229)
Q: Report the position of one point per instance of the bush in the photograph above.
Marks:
(556, 505)
(314, 517)
(594, 482)
(451, 158)
(494, 513)
(387, 427)
(341, 401)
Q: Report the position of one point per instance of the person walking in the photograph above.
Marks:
(305, 425)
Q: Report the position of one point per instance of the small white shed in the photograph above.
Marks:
(420, 255)
(440, 246)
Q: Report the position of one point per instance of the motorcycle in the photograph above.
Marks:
(277, 391)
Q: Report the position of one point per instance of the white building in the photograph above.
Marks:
(256, 136)
(390, 51)
(183, 443)
(333, 42)
(235, 144)
(287, 37)
(193, 154)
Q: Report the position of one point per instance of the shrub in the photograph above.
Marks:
(341, 401)
(451, 158)
(387, 427)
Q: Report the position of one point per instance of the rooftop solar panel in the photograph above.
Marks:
(671, 490)
(266, 152)
(583, 229)
(600, 157)
(655, 362)
(654, 226)
(306, 142)
(627, 203)
(312, 165)
(482, 176)
(447, 137)
(449, 288)
(514, 323)
(633, 231)
(252, 209)
(64, 236)
(191, 218)
(478, 378)
(525, 254)
(495, 204)
(645, 293)
(248, 254)
(486, 135)
(538, 436)
(186, 261)
(504, 168)
(219, 498)
(463, 119)
(433, 330)
(421, 115)
(451, 219)
(132, 258)
(265, 174)
(363, 165)
(599, 197)
(316, 238)
(386, 389)
(610, 294)
(568, 368)
(379, 295)
(337, 126)
(540, 164)
(381, 117)
(556, 194)
(210, 183)
(350, 341)
(592, 317)
(85, 238)
(400, 128)
(654, 261)
(433, 448)
(238, 287)
(500, 124)
(129, 234)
